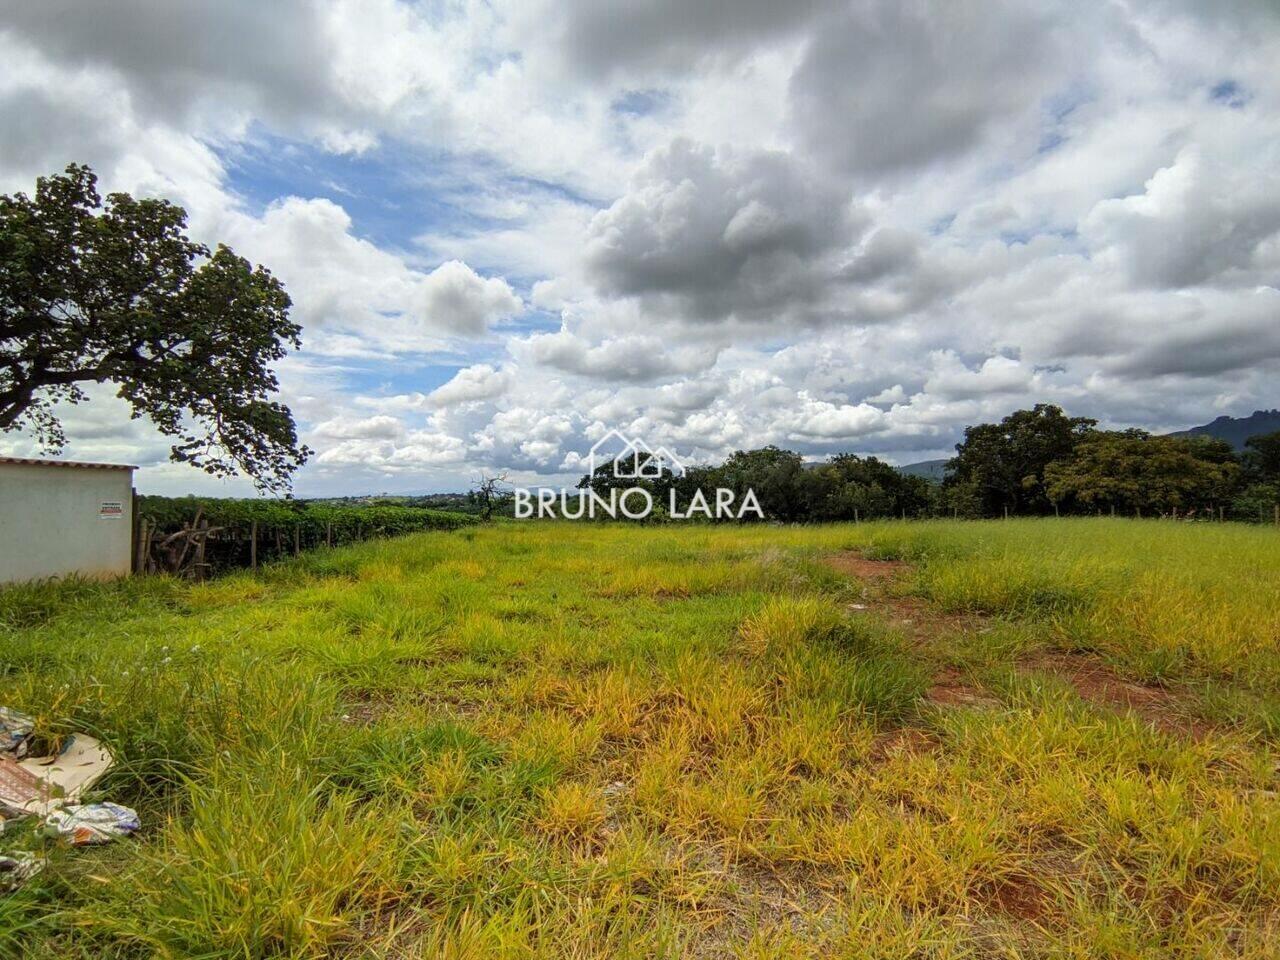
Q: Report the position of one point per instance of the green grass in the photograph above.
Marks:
(536, 740)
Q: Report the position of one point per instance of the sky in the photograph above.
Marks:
(508, 226)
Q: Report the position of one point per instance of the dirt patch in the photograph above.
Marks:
(856, 565)
(1098, 684)
(924, 626)
(919, 621)
(952, 689)
(755, 897)
(364, 709)
(903, 741)
(1021, 898)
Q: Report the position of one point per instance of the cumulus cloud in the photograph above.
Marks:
(840, 421)
(268, 57)
(638, 37)
(341, 281)
(893, 86)
(715, 234)
(631, 358)
(952, 379)
(478, 382)
(369, 428)
(1196, 221)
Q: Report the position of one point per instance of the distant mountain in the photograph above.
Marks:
(929, 469)
(1236, 430)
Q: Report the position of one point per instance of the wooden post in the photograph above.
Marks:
(140, 546)
(197, 565)
(1055, 509)
(1221, 511)
(253, 545)
(855, 514)
(136, 531)
(1006, 513)
(1113, 511)
(297, 539)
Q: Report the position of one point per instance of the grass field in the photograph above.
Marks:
(1006, 739)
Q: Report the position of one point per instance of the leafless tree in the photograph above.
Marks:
(486, 492)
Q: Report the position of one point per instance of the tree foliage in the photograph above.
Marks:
(1003, 464)
(1033, 461)
(1262, 458)
(115, 292)
(787, 489)
(1134, 472)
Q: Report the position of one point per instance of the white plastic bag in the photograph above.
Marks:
(92, 823)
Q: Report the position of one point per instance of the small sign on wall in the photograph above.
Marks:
(111, 510)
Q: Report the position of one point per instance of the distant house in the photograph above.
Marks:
(59, 517)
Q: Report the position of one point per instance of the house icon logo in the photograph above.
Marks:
(631, 458)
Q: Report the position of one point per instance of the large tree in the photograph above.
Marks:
(1262, 458)
(117, 293)
(1002, 464)
(849, 486)
(1132, 471)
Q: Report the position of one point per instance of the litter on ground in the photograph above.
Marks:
(15, 731)
(39, 785)
(17, 868)
(50, 787)
(92, 823)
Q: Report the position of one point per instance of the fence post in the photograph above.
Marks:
(136, 532)
(297, 539)
(1006, 513)
(140, 546)
(198, 564)
(253, 545)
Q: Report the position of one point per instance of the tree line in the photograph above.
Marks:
(1037, 462)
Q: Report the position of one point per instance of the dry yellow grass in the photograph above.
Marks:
(582, 741)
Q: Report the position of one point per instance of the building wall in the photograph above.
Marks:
(60, 520)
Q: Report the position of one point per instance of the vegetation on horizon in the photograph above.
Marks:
(1032, 463)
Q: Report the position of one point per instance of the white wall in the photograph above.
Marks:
(52, 522)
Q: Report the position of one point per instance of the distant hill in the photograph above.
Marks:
(929, 469)
(1236, 430)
